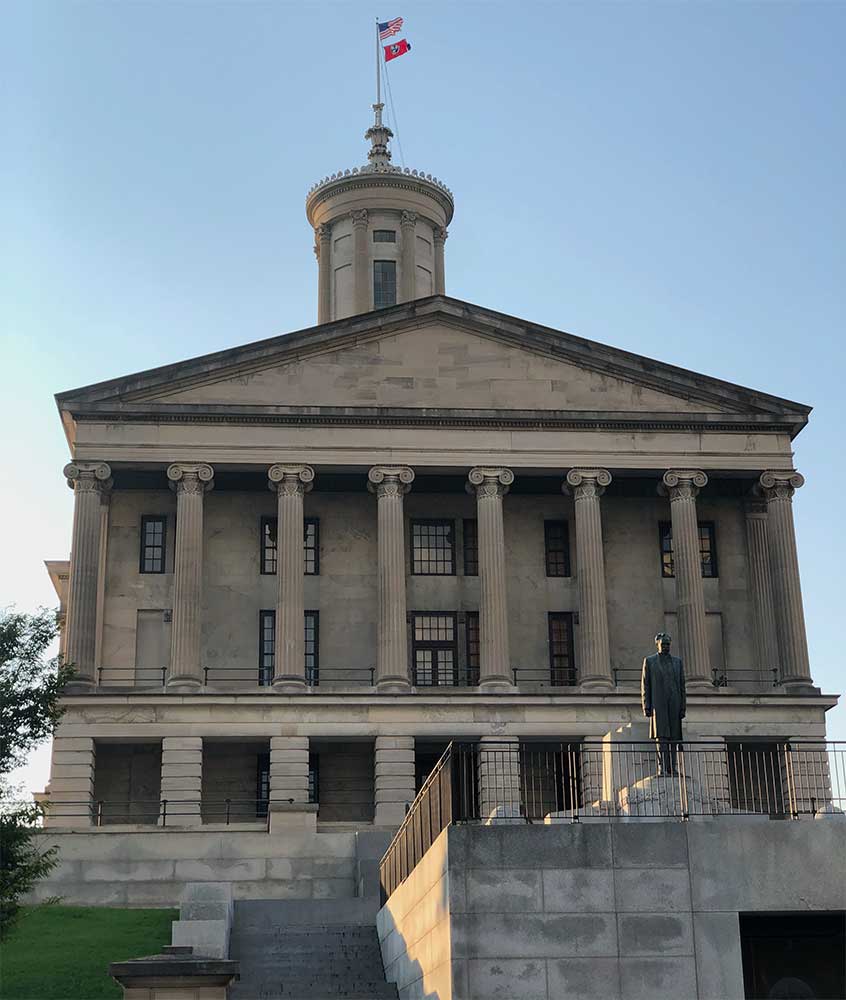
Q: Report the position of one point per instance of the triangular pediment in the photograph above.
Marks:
(434, 354)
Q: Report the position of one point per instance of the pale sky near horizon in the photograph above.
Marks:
(664, 177)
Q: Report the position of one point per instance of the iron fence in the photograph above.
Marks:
(132, 676)
(533, 782)
(314, 677)
(153, 812)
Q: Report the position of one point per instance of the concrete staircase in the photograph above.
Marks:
(308, 950)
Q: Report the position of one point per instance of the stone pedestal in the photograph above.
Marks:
(71, 794)
(627, 756)
(182, 780)
(662, 796)
(175, 974)
(394, 763)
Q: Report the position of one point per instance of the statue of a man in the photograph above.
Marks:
(664, 701)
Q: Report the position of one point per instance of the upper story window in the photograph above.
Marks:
(562, 665)
(556, 536)
(384, 283)
(473, 646)
(707, 548)
(267, 647)
(432, 548)
(153, 541)
(311, 546)
(434, 648)
(384, 236)
(470, 532)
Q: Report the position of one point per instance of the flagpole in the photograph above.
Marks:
(378, 67)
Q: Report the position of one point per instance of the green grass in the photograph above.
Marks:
(63, 952)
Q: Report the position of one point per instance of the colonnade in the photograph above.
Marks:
(774, 572)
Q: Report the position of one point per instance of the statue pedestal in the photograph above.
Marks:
(663, 795)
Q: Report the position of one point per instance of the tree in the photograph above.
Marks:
(30, 688)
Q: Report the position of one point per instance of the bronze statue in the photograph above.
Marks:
(663, 698)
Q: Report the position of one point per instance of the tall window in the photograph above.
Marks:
(384, 283)
(267, 647)
(262, 784)
(562, 666)
(707, 548)
(434, 649)
(384, 235)
(472, 641)
(153, 540)
(269, 556)
(432, 548)
(470, 533)
(314, 777)
(556, 536)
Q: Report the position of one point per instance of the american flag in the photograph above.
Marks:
(388, 28)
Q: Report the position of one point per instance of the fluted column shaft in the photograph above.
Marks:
(766, 649)
(323, 249)
(683, 486)
(290, 482)
(408, 236)
(88, 480)
(587, 486)
(778, 489)
(490, 486)
(440, 235)
(390, 484)
(190, 483)
(361, 261)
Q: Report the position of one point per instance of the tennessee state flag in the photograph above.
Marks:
(397, 49)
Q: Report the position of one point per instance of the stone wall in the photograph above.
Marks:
(127, 782)
(597, 910)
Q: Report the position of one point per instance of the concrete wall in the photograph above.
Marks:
(620, 910)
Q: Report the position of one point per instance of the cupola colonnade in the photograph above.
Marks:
(771, 548)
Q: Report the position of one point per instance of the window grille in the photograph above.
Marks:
(707, 549)
(432, 548)
(562, 667)
(472, 641)
(470, 534)
(434, 649)
(269, 561)
(384, 283)
(153, 542)
(384, 236)
(557, 547)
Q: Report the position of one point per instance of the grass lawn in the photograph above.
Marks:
(62, 952)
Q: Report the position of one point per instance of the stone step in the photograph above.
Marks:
(261, 914)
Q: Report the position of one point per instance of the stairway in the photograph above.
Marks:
(308, 950)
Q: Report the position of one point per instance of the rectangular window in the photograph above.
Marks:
(432, 548)
(267, 646)
(707, 549)
(556, 536)
(470, 532)
(434, 649)
(153, 540)
(472, 641)
(384, 283)
(262, 784)
(562, 667)
(384, 236)
(269, 560)
(756, 777)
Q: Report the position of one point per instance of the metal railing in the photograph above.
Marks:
(263, 676)
(132, 676)
(155, 812)
(531, 782)
(546, 676)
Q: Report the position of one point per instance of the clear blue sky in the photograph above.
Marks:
(665, 177)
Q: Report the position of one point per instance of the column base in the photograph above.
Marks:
(596, 684)
(79, 685)
(496, 684)
(289, 684)
(393, 684)
(183, 682)
(699, 684)
(292, 817)
(799, 685)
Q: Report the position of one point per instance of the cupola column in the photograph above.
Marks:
(408, 225)
(190, 483)
(323, 250)
(88, 480)
(490, 486)
(361, 262)
(440, 234)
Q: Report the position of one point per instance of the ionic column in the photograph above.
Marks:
(190, 483)
(390, 484)
(182, 780)
(778, 488)
(394, 779)
(757, 545)
(587, 486)
(490, 486)
(88, 480)
(408, 225)
(290, 483)
(323, 251)
(361, 262)
(682, 487)
(440, 234)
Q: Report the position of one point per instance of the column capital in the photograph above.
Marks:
(408, 219)
(489, 482)
(359, 217)
(322, 234)
(683, 484)
(440, 234)
(585, 483)
(755, 506)
(88, 477)
(289, 480)
(779, 484)
(390, 480)
(191, 478)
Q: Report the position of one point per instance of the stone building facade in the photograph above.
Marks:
(302, 566)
